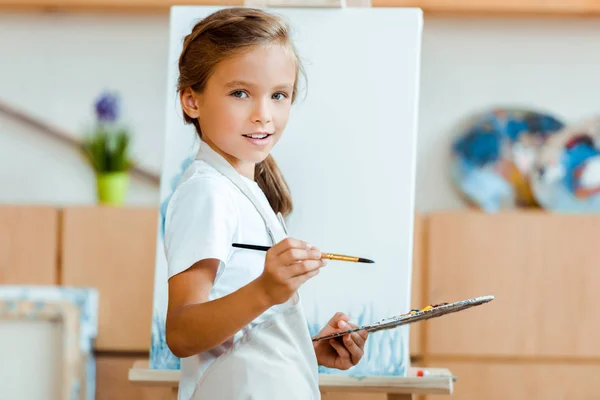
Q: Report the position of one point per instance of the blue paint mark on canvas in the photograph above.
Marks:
(174, 181)
(161, 356)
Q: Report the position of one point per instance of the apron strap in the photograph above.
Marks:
(214, 159)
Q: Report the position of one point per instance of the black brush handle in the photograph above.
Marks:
(251, 246)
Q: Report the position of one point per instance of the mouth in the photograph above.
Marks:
(259, 138)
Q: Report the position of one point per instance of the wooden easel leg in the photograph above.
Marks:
(391, 396)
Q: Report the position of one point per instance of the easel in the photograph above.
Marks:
(439, 381)
(435, 382)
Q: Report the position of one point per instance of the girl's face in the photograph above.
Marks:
(245, 105)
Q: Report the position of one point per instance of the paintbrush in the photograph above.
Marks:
(329, 256)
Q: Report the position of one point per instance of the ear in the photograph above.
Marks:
(190, 102)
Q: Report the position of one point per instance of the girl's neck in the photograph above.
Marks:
(243, 168)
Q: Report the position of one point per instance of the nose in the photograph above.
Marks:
(262, 112)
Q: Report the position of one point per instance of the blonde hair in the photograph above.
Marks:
(224, 34)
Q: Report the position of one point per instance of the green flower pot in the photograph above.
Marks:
(112, 187)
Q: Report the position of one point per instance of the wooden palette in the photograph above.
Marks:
(409, 318)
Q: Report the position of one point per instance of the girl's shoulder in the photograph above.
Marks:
(200, 180)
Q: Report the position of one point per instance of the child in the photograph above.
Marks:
(234, 316)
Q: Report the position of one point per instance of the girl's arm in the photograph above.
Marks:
(195, 324)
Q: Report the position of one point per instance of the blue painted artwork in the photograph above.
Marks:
(567, 174)
(494, 155)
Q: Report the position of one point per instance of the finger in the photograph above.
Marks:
(339, 321)
(343, 322)
(289, 243)
(355, 351)
(358, 339)
(343, 353)
(300, 279)
(363, 334)
(292, 256)
(304, 267)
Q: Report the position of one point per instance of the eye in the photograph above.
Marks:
(240, 94)
(279, 96)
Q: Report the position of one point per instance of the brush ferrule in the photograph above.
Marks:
(340, 257)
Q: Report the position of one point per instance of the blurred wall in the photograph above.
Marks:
(53, 66)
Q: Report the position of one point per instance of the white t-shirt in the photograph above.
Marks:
(205, 215)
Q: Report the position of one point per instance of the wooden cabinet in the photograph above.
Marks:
(113, 250)
(112, 382)
(523, 381)
(28, 245)
(542, 270)
(484, 7)
(538, 339)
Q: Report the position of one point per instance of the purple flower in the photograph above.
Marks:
(107, 107)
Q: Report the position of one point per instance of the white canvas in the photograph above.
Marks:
(348, 154)
(31, 345)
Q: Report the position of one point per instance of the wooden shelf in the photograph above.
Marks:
(460, 7)
(138, 6)
(499, 7)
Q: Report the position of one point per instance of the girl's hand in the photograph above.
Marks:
(288, 265)
(342, 352)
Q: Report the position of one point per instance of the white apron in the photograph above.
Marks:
(275, 359)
